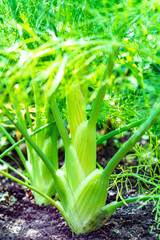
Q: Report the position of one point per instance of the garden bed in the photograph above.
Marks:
(21, 218)
(26, 220)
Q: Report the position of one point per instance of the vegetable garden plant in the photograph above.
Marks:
(79, 187)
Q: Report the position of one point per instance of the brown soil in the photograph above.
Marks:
(21, 218)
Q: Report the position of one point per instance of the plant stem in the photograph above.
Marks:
(97, 105)
(13, 142)
(120, 130)
(141, 198)
(37, 99)
(23, 139)
(28, 117)
(30, 187)
(16, 105)
(101, 92)
(60, 123)
(138, 177)
(75, 109)
(15, 170)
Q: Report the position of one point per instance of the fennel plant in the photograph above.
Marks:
(36, 173)
(81, 188)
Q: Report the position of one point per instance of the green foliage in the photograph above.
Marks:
(87, 62)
